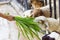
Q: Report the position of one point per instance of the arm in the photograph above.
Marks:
(8, 17)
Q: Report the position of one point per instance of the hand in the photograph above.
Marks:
(8, 17)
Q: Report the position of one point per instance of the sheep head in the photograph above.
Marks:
(42, 22)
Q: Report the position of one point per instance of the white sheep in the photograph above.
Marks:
(50, 23)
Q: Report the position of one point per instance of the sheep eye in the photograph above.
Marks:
(40, 22)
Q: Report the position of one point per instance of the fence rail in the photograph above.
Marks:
(55, 10)
(59, 8)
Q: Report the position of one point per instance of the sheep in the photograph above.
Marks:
(50, 24)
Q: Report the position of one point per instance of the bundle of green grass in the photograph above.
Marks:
(27, 25)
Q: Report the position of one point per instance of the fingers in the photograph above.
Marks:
(8, 17)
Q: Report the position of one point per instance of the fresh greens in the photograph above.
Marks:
(28, 27)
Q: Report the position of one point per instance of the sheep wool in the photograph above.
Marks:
(51, 23)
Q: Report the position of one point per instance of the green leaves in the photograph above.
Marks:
(28, 27)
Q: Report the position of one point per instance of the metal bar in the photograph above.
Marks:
(50, 8)
(55, 15)
(25, 4)
(45, 2)
(20, 1)
(59, 8)
(28, 5)
(59, 11)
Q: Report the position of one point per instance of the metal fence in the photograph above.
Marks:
(55, 9)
